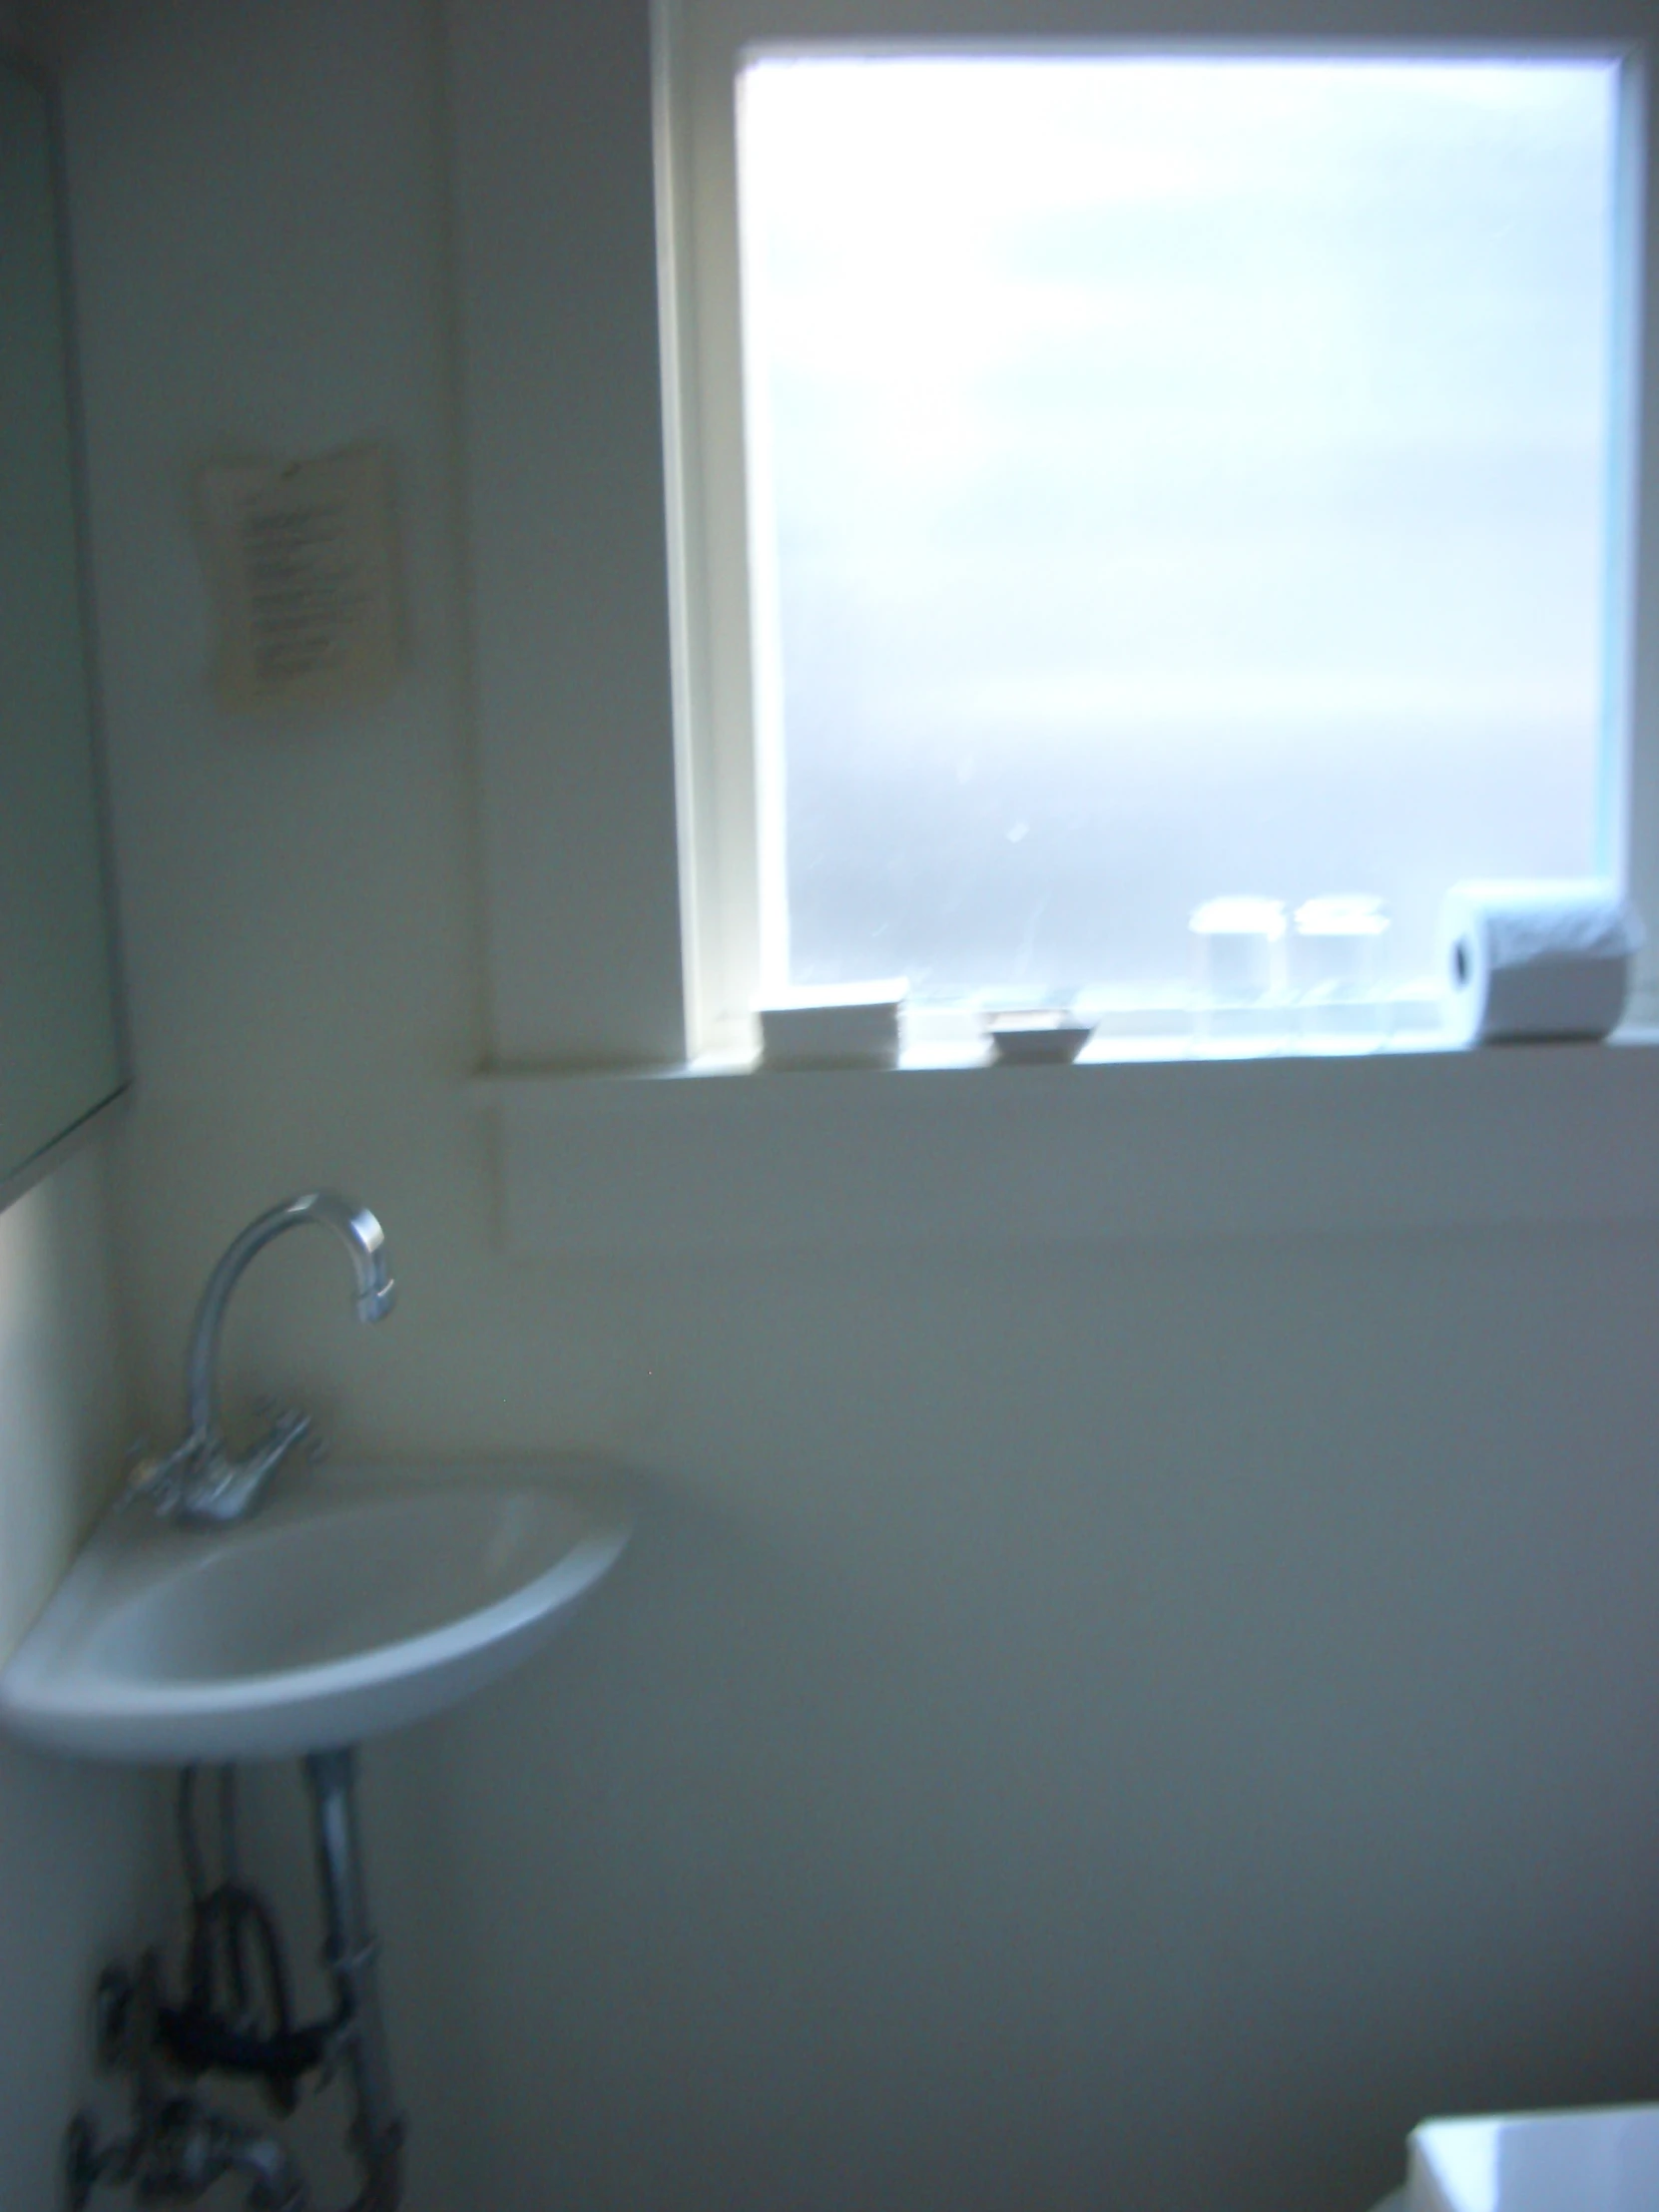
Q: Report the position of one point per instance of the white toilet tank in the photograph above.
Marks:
(1603, 2160)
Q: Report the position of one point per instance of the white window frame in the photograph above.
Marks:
(721, 770)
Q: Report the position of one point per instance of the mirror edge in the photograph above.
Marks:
(16, 52)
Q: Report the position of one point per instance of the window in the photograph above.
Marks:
(1124, 478)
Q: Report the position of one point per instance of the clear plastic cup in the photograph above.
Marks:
(1336, 969)
(1237, 965)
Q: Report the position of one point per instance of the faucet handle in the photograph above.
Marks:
(156, 1476)
(282, 1419)
(290, 1431)
(286, 1425)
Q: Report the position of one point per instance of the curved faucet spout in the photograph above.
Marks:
(198, 1481)
(362, 1237)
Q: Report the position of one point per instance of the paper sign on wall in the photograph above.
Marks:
(301, 558)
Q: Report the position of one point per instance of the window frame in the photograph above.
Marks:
(723, 774)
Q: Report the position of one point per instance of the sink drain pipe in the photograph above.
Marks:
(178, 2147)
(350, 1952)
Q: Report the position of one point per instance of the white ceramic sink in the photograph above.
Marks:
(1589, 2161)
(354, 1601)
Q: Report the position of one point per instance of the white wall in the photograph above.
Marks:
(61, 1381)
(79, 1851)
(79, 1856)
(1144, 1721)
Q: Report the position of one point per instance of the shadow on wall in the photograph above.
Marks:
(744, 1897)
(80, 1852)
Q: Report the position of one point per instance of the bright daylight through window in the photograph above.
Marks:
(1170, 479)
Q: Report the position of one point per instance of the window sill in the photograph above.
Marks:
(710, 1160)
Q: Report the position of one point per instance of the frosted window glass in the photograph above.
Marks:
(1171, 478)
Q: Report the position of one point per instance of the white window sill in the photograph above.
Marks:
(955, 1038)
(711, 1160)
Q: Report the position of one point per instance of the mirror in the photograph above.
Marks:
(61, 1055)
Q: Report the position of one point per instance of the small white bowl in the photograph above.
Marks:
(1037, 1036)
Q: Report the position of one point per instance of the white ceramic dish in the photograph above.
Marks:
(1040, 1037)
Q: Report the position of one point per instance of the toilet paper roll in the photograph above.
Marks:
(1537, 959)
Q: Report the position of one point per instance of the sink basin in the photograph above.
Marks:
(1603, 2160)
(356, 1600)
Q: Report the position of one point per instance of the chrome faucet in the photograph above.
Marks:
(199, 1480)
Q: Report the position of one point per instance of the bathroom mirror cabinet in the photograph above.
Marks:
(62, 1059)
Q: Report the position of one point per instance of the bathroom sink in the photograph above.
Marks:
(1589, 2161)
(356, 1600)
